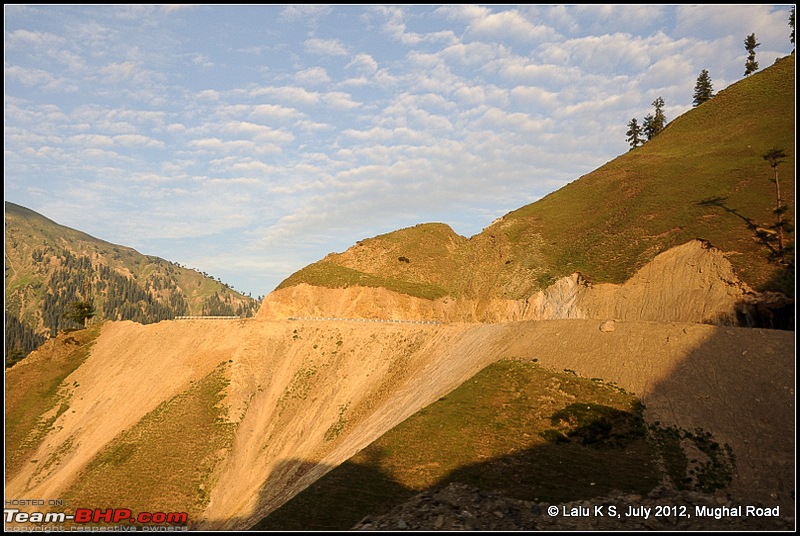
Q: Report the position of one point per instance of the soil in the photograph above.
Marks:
(307, 395)
(689, 283)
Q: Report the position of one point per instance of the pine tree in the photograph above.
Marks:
(634, 134)
(79, 312)
(750, 44)
(775, 157)
(648, 126)
(791, 24)
(703, 90)
(654, 123)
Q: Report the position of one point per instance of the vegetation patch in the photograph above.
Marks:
(497, 432)
(693, 460)
(328, 274)
(36, 393)
(596, 425)
(165, 462)
(301, 383)
(336, 428)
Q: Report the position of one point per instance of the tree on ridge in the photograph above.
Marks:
(750, 44)
(775, 157)
(655, 122)
(634, 134)
(703, 90)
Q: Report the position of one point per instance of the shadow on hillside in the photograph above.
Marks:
(719, 202)
(550, 472)
(742, 397)
(775, 308)
(739, 385)
(338, 500)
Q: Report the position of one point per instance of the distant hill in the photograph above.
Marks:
(704, 176)
(49, 266)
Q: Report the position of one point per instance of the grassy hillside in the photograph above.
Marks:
(36, 393)
(704, 176)
(182, 436)
(420, 261)
(49, 266)
(515, 428)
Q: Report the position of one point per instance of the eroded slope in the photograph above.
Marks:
(303, 397)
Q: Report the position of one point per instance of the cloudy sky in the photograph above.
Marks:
(249, 141)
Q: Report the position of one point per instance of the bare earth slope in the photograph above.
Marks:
(693, 282)
(305, 395)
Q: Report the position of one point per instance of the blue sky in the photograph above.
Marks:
(250, 141)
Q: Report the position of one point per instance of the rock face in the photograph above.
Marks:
(693, 282)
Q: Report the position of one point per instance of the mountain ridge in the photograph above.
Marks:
(48, 266)
(703, 177)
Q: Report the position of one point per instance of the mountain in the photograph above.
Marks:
(558, 356)
(703, 177)
(49, 266)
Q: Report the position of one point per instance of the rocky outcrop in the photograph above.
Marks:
(462, 507)
(693, 282)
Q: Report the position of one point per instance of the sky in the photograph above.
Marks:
(250, 141)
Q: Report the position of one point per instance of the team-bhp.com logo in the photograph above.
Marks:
(113, 516)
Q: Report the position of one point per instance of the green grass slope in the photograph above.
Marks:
(515, 428)
(36, 394)
(704, 177)
(420, 261)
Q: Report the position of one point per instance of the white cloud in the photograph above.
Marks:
(27, 38)
(608, 54)
(496, 119)
(137, 140)
(174, 8)
(312, 76)
(292, 94)
(325, 47)
(396, 28)
(209, 94)
(273, 111)
(614, 18)
(473, 54)
(535, 96)
(40, 78)
(245, 165)
(304, 12)
(339, 100)
(175, 128)
(202, 61)
(522, 71)
(363, 63)
(93, 140)
(260, 133)
(117, 72)
(717, 21)
(234, 146)
(510, 24)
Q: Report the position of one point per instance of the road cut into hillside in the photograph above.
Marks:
(307, 395)
(693, 282)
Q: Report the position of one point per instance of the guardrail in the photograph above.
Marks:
(364, 320)
(208, 318)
